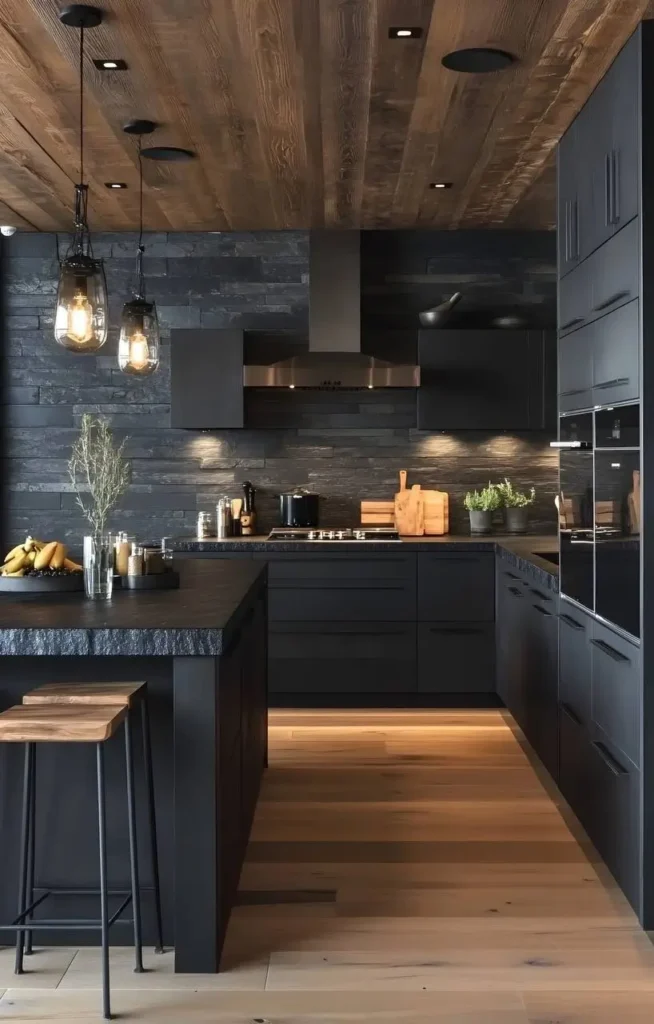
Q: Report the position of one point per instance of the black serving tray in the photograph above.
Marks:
(73, 582)
(168, 580)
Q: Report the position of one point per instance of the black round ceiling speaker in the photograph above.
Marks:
(478, 60)
(139, 126)
(80, 16)
(167, 153)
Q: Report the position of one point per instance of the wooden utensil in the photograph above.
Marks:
(633, 503)
(377, 513)
(437, 512)
(409, 509)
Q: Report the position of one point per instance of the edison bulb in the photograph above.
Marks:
(138, 350)
(80, 319)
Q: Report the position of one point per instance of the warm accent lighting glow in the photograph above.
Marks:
(80, 319)
(138, 345)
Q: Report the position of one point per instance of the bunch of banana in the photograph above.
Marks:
(36, 555)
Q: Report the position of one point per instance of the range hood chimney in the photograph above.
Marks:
(334, 359)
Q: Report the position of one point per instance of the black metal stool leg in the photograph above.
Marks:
(133, 849)
(152, 819)
(24, 853)
(32, 849)
(104, 909)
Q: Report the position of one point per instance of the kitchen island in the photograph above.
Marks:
(202, 651)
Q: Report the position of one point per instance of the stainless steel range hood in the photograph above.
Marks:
(334, 359)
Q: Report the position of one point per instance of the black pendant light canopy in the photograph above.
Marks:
(478, 60)
(170, 154)
(138, 345)
(81, 316)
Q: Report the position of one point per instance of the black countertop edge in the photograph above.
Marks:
(36, 628)
(515, 549)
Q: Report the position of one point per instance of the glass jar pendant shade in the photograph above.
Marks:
(82, 307)
(138, 345)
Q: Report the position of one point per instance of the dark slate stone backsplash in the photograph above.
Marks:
(345, 445)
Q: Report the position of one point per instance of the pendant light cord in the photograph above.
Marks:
(140, 250)
(81, 105)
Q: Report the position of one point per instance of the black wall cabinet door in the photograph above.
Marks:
(486, 380)
(206, 379)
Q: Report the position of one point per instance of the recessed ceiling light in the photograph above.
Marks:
(404, 33)
(167, 153)
(477, 60)
(440, 184)
(112, 64)
(115, 184)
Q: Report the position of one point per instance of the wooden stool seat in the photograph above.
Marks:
(43, 723)
(118, 694)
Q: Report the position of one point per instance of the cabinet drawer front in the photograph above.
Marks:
(575, 661)
(575, 298)
(315, 600)
(615, 356)
(338, 568)
(575, 370)
(456, 587)
(615, 817)
(613, 271)
(455, 658)
(575, 765)
(342, 657)
(617, 698)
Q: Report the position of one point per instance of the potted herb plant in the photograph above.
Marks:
(100, 476)
(515, 504)
(481, 505)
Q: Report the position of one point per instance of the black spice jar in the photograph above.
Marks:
(300, 509)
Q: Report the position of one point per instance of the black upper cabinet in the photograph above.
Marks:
(486, 380)
(598, 164)
(206, 379)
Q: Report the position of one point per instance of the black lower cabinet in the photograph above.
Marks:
(456, 657)
(575, 662)
(342, 657)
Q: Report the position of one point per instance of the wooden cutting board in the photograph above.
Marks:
(437, 512)
(377, 513)
(409, 509)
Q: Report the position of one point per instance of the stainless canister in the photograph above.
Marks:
(204, 525)
(224, 522)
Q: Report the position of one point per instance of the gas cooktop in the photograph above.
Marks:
(360, 533)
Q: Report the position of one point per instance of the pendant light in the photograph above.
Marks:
(138, 345)
(81, 317)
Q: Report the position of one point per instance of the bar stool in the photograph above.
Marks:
(34, 724)
(124, 695)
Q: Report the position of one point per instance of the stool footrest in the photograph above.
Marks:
(20, 924)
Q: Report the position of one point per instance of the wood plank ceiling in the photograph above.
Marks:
(301, 112)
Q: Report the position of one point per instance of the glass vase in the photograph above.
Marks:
(99, 566)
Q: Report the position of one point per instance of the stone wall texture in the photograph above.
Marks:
(345, 445)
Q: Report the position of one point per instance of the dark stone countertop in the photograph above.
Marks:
(196, 619)
(521, 551)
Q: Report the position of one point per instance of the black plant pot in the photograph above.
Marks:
(480, 521)
(516, 519)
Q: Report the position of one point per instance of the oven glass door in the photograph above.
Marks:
(576, 526)
(617, 538)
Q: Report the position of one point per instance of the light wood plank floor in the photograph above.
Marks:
(404, 867)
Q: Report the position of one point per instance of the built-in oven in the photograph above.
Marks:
(576, 508)
(617, 517)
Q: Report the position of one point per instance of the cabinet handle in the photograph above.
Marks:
(611, 651)
(571, 323)
(607, 757)
(570, 713)
(516, 592)
(607, 189)
(448, 630)
(609, 302)
(617, 381)
(567, 230)
(573, 391)
(543, 611)
(576, 229)
(615, 182)
(511, 575)
(569, 621)
(539, 595)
